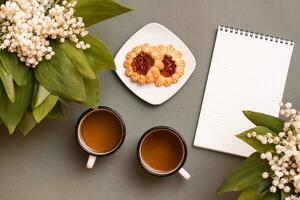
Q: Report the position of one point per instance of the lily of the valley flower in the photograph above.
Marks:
(27, 26)
(285, 161)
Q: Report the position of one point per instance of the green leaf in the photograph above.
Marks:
(248, 174)
(259, 119)
(64, 101)
(61, 77)
(56, 112)
(259, 191)
(285, 195)
(40, 112)
(8, 83)
(253, 194)
(40, 94)
(94, 11)
(256, 192)
(26, 124)
(271, 196)
(14, 67)
(92, 92)
(256, 144)
(12, 113)
(98, 54)
(78, 59)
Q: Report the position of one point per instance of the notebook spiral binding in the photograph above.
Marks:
(256, 35)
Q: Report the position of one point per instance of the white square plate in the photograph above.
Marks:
(154, 34)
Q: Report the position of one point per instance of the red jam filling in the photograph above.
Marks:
(169, 66)
(142, 63)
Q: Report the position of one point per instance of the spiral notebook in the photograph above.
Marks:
(248, 71)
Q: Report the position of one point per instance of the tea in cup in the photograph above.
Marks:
(162, 152)
(100, 132)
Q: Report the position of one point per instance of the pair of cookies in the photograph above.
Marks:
(162, 65)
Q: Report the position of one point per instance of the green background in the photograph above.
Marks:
(48, 164)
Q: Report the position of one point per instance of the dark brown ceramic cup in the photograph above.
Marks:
(162, 152)
(85, 144)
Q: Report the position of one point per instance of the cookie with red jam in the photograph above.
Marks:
(142, 64)
(173, 65)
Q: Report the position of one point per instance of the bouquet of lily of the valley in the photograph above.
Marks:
(48, 58)
(273, 171)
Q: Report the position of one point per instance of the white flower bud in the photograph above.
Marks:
(263, 156)
(279, 174)
(287, 189)
(281, 134)
(288, 105)
(287, 124)
(275, 182)
(280, 186)
(273, 189)
(297, 184)
(265, 175)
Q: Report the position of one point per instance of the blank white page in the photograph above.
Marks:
(248, 72)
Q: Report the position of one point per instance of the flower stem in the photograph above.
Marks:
(56, 2)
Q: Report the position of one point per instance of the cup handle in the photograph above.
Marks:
(91, 161)
(184, 174)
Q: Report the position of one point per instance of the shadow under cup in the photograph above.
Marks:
(100, 132)
(162, 152)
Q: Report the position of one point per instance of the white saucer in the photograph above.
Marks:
(154, 34)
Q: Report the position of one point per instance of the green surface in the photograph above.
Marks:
(48, 163)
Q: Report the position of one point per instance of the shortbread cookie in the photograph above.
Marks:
(173, 65)
(142, 64)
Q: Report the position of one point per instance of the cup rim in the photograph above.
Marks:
(115, 113)
(174, 131)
